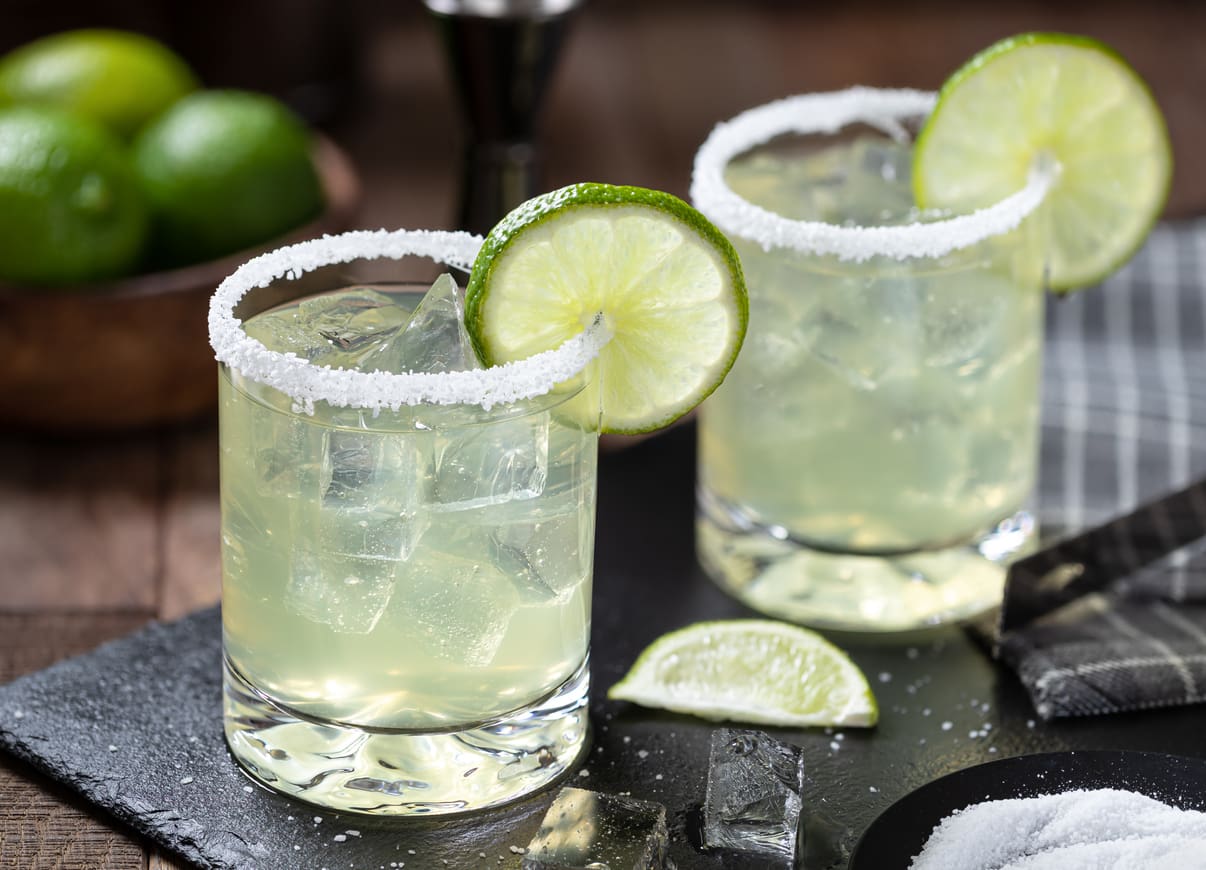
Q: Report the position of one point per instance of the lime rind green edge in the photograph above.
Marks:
(599, 195)
(1053, 38)
(619, 691)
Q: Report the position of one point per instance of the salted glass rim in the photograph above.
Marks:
(306, 383)
(826, 113)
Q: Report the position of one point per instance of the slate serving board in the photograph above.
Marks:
(136, 725)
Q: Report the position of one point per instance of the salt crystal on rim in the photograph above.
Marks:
(307, 383)
(828, 113)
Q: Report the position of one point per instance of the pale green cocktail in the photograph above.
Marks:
(406, 591)
(870, 456)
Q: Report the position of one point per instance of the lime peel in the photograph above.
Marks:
(667, 283)
(750, 670)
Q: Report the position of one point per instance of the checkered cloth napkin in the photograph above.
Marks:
(1124, 422)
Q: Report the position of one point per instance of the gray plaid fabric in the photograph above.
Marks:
(1124, 421)
(1124, 388)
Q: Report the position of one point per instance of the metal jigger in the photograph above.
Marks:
(502, 54)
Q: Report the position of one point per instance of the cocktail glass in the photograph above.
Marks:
(406, 558)
(868, 463)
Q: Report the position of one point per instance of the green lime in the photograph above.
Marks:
(119, 79)
(667, 284)
(70, 206)
(225, 171)
(750, 670)
(1067, 101)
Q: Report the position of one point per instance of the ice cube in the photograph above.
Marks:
(347, 329)
(864, 331)
(345, 593)
(476, 466)
(585, 830)
(287, 455)
(373, 503)
(546, 549)
(434, 339)
(453, 598)
(351, 539)
(358, 326)
(753, 794)
(963, 322)
(796, 186)
(878, 186)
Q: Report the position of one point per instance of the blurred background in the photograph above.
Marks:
(638, 85)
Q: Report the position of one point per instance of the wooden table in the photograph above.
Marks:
(100, 534)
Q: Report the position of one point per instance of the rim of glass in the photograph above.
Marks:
(882, 108)
(306, 383)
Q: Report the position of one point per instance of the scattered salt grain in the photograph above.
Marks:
(885, 677)
(834, 745)
(186, 780)
(248, 789)
(947, 726)
(642, 753)
(340, 838)
(112, 748)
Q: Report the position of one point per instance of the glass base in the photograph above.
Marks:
(785, 578)
(407, 773)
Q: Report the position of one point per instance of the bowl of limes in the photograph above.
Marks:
(127, 192)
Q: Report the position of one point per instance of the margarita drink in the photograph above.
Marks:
(411, 571)
(872, 451)
(406, 591)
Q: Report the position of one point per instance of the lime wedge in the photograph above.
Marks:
(1067, 101)
(750, 670)
(667, 283)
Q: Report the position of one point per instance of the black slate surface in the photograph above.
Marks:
(128, 724)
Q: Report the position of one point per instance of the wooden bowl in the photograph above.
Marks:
(134, 352)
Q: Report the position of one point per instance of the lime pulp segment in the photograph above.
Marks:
(751, 670)
(667, 284)
(1070, 102)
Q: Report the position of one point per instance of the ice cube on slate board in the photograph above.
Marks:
(585, 829)
(753, 795)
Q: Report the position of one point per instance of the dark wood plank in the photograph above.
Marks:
(192, 571)
(78, 522)
(163, 861)
(42, 825)
(31, 641)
